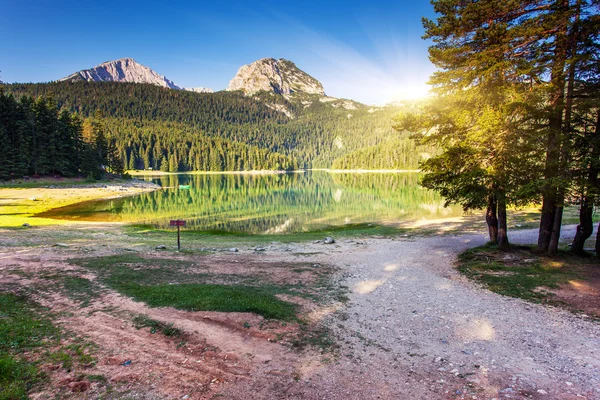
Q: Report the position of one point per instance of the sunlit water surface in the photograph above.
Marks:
(271, 203)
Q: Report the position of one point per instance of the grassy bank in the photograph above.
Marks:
(566, 280)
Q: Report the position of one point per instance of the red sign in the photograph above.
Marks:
(177, 222)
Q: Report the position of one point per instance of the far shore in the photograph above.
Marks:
(271, 172)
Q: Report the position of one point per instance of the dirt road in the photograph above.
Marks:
(415, 329)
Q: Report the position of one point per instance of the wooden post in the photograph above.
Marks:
(178, 223)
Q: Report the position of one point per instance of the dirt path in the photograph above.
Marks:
(415, 329)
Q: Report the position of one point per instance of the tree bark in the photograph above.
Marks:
(550, 202)
(555, 235)
(585, 227)
(491, 218)
(598, 242)
(502, 225)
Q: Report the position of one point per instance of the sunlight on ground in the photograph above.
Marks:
(320, 313)
(367, 287)
(452, 223)
(582, 287)
(556, 264)
(390, 267)
(443, 286)
(477, 329)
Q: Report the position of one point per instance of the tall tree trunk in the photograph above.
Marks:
(502, 225)
(550, 194)
(598, 241)
(585, 227)
(491, 218)
(556, 226)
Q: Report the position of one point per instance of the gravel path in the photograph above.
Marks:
(415, 329)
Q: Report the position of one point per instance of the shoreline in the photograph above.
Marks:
(270, 172)
(19, 206)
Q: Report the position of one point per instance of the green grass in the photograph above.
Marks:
(166, 283)
(16, 377)
(143, 321)
(22, 328)
(517, 273)
(206, 297)
(223, 239)
(80, 289)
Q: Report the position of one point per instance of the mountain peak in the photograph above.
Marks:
(121, 70)
(278, 76)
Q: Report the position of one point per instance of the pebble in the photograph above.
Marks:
(26, 225)
(329, 240)
(161, 247)
(61, 245)
(233, 250)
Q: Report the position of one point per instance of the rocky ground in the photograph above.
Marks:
(413, 328)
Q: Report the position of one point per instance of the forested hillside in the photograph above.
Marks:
(159, 128)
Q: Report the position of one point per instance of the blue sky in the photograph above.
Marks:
(370, 51)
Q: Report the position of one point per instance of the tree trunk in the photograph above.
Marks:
(598, 242)
(585, 227)
(491, 218)
(546, 223)
(502, 225)
(550, 202)
(556, 226)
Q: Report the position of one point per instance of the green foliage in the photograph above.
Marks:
(36, 139)
(223, 131)
(22, 329)
(400, 153)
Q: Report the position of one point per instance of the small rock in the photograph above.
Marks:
(61, 245)
(259, 249)
(79, 387)
(542, 391)
(26, 225)
(161, 247)
(32, 199)
(317, 241)
(329, 240)
(233, 250)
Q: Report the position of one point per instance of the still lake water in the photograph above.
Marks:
(274, 203)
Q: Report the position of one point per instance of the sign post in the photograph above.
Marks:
(178, 223)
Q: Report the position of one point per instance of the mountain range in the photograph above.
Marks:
(277, 76)
(272, 115)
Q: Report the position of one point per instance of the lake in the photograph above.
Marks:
(270, 203)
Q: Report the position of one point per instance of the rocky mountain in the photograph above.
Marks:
(199, 90)
(122, 70)
(277, 76)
